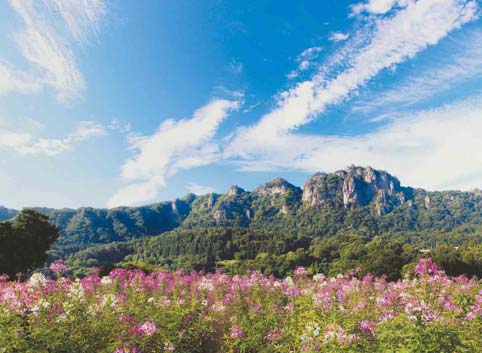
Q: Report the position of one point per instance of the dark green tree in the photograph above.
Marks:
(24, 242)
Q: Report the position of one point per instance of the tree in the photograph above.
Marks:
(24, 242)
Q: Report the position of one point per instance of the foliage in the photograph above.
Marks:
(24, 242)
(275, 228)
(235, 250)
(131, 311)
(451, 217)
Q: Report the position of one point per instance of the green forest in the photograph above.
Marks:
(359, 219)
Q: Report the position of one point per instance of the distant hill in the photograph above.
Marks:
(7, 213)
(358, 201)
(371, 201)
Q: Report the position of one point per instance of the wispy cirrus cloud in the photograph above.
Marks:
(46, 40)
(377, 7)
(24, 143)
(338, 36)
(198, 189)
(463, 62)
(176, 145)
(305, 60)
(435, 149)
(390, 41)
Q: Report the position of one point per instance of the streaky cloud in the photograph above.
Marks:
(390, 41)
(45, 41)
(176, 145)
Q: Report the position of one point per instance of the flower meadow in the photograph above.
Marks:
(132, 312)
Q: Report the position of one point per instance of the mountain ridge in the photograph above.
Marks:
(363, 198)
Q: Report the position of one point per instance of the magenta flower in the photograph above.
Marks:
(169, 347)
(148, 328)
(426, 267)
(126, 349)
(274, 334)
(236, 332)
(367, 326)
(300, 271)
(58, 266)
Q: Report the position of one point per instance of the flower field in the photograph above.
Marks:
(130, 311)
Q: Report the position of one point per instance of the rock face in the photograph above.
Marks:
(354, 186)
(277, 186)
(233, 204)
(235, 190)
(322, 188)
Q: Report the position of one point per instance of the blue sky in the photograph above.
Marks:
(107, 103)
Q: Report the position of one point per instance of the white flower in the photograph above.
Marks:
(106, 280)
(37, 279)
(289, 281)
(61, 318)
(110, 300)
(77, 290)
(35, 309)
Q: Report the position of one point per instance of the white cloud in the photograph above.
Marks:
(23, 143)
(304, 60)
(435, 149)
(393, 41)
(309, 54)
(13, 139)
(235, 67)
(80, 16)
(122, 127)
(176, 145)
(462, 62)
(338, 36)
(45, 42)
(13, 80)
(199, 189)
(378, 7)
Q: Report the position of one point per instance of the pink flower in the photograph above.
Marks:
(126, 349)
(169, 347)
(274, 334)
(300, 271)
(236, 332)
(367, 326)
(58, 266)
(126, 319)
(148, 328)
(426, 266)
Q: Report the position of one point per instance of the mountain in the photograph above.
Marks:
(367, 201)
(7, 213)
(357, 201)
(87, 226)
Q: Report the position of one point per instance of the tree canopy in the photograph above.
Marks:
(24, 242)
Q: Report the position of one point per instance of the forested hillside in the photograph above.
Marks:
(275, 226)
(351, 212)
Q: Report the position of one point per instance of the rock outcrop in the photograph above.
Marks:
(354, 186)
(277, 186)
(235, 190)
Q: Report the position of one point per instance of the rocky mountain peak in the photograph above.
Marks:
(354, 186)
(277, 186)
(235, 190)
